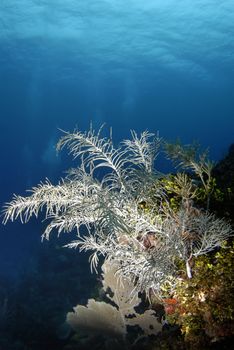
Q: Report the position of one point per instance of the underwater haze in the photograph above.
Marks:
(161, 65)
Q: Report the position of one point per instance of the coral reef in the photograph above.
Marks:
(155, 229)
(108, 205)
(203, 307)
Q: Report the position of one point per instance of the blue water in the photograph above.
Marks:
(161, 65)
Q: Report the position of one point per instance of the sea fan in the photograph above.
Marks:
(112, 321)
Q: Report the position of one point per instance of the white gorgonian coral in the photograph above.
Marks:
(118, 197)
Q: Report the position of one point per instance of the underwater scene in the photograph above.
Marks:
(117, 174)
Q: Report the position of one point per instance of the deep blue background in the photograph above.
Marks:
(163, 65)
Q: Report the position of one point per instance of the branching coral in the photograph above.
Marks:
(117, 195)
